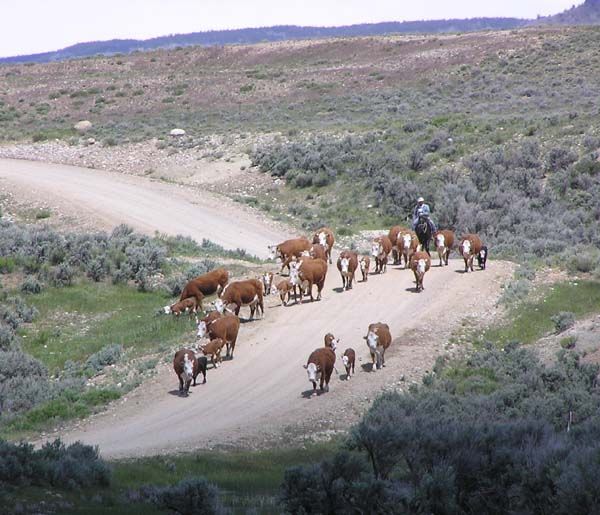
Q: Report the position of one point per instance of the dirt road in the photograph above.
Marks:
(262, 392)
(147, 205)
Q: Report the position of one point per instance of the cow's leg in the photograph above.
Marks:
(180, 385)
(373, 359)
(383, 358)
(314, 387)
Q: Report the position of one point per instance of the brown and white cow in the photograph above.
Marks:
(288, 250)
(393, 236)
(365, 264)
(267, 281)
(380, 250)
(444, 241)
(349, 359)
(284, 288)
(407, 245)
(331, 342)
(312, 272)
(190, 305)
(242, 293)
(226, 327)
(378, 339)
(324, 236)
(317, 251)
(347, 264)
(187, 367)
(470, 246)
(420, 262)
(207, 284)
(321, 363)
(213, 349)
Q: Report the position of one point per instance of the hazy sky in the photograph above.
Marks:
(29, 26)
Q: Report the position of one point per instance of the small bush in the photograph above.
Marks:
(563, 321)
(31, 285)
(7, 265)
(568, 342)
(191, 496)
(108, 355)
(62, 276)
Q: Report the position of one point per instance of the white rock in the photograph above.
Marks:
(83, 126)
(177, 132)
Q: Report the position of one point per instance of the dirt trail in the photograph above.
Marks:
(262, 392)
(147, 205)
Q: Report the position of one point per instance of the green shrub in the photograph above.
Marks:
(563, 321)
(108, 355)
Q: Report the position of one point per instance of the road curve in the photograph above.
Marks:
(145, 204)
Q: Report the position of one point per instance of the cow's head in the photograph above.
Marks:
(323, 239)
(466, 247)
(372, 339)
(345, 264)
(220, 305)
(307, 253)
(314, 374)
(188, 369)
(202, 330)
(363, 264)
(440, 240)
(274, 290)
(406, 240)
(482, 253)
(331, 341)
(167, 310)
(345, 360)
(273, 251)
(421, 266)
(376, 248)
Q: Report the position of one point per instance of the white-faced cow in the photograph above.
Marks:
(365, 264)
(378, 339)
(420, 263)
(317, 251)
(444, 241)
(470, 246)
(267, 280)
(190, 305)
(242, 293)
(284, 288)
(407, 245)
(393, 236)
(187, 367)
(482, 257)
(380, 250)
(225, 327)
(349, 358)
(213, 349)
(347, 264)
(207, 284)
(321, 363)
(288, 250)
(312, 272)
(324, 236)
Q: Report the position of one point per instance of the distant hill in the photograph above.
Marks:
(587, 13)
(257, 35)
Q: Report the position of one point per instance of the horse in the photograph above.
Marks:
(424, 233)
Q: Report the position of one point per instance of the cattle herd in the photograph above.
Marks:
(307, 264)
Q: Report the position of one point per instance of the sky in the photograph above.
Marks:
(32, 26)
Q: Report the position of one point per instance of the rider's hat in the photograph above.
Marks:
(420, 199)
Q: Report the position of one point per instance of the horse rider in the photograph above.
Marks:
(422, 210)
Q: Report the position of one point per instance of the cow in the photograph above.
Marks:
(225, 327)
(378, 339)
(190, 304)
(321, 363)
(365, 264)
(186, 367)
(407, 245)
(470, 246)
(324, 236)
(267, 281)
(311, 271)
(242, 293)
(420, 262)
(393, 236)
(444, 241)
(380, 249)
(207, 284)
(284, 289)
(317, 251)
(213, 349)
(288, 250)
(347, 264)
(482, 257)
(349, 358)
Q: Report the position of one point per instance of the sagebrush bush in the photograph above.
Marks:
(107, 355)
(31, 285)
(563, 321)
(62, 276)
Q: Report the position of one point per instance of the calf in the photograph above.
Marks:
(190, 304)
(288, 250)
(365, 264)
(349, 358)
(347, 264)
(420, 262)
(284, 289)
(207, 284)
(242, 293)
(482, 257)
(213, 349)
(444, 241)
(324, 236)
(378, 339)
(267, 281)
(185, 365)
(393, 237)
(407, 245)
(380, 249)
(319, 368)
(470, 246)
(331, 342)
(226, 327)
(311, 271)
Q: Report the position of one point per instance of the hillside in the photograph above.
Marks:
(586, 14)
(264, 34)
